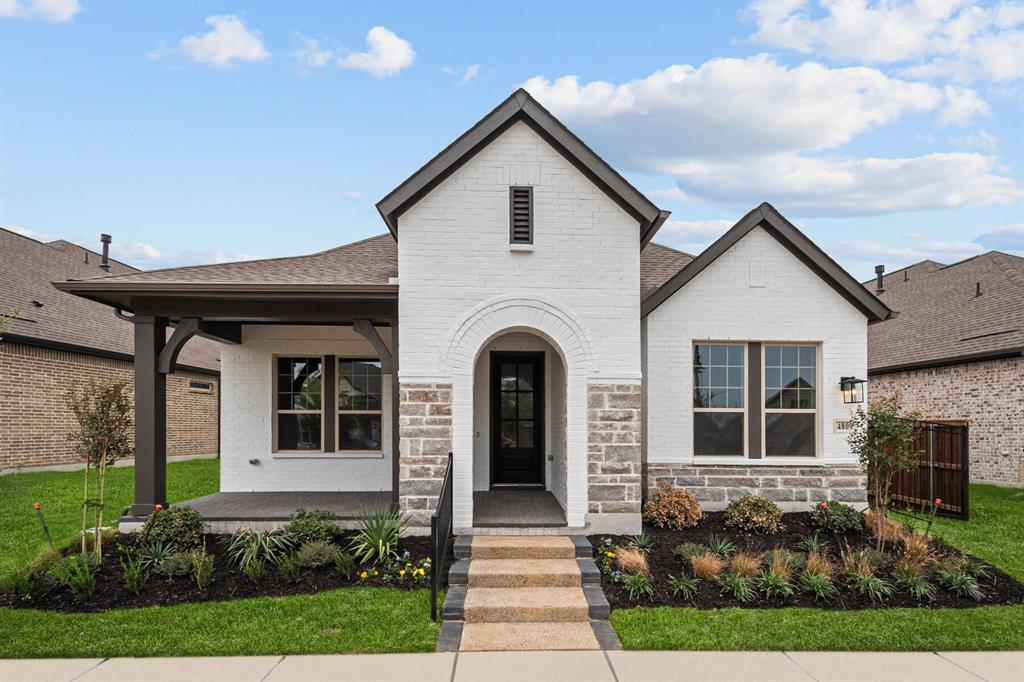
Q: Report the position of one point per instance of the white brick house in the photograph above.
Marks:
(568, 363)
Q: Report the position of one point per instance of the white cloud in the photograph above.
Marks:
(962, 105)
(148, 257)
(52, 11)
(849, 186)
(350, 194)
(387, 54)
(897, 255)
(228, 40)
(732, 108)
(979, 140)
(447, 70)
(162, 51)
(693, 236)
(947, 38)
(671, 194)
(1005, 238)
(310, 54)
(471, 73)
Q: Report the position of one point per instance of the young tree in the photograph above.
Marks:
(883, 437)
(104, 416)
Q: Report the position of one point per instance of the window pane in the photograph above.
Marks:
(735, 377)
(701, 376)
(806, 377)
(789, 377)
(718, 355)
(806, 356)
(788, 434)
(790, 356)
(298, 432)
(771, 356)
(736, 355)
(735, 398)
(807, 399)
(508, 377)
(700, 355)
(508, 405)
(790, 399)
(359, 384)
(526, 434)
(508, 434)
(359, 432)
(525, 377)
(772, 377)
(773, 398)
(718, 396)
(719, 377)
(718, 433)
(526, 405)
(701, 398)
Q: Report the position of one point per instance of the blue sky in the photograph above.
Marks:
(205, 131)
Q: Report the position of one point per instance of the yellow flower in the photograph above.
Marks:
(402, 573)
(427, 560)
(362, 576)
(610, 555)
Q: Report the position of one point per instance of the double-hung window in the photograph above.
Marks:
(298, 419)
(359, 405)
(755, 400)
(719, 414)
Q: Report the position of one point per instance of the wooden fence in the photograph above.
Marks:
(942, 470)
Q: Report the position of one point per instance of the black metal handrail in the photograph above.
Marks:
(440, 536)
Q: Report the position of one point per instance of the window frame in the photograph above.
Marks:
(339, 412)
(511, 214)
(816, 410)
(746, 398)
(276, 411)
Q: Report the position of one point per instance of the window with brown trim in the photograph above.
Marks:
(790, 400)
(360, 415)
(719, 405)
(298, 407)
(520, 215)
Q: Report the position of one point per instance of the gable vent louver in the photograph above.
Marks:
(521, 215)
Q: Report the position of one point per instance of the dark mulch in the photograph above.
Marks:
(228, 583)
(999, 588)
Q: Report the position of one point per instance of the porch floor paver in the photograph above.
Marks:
(279, 506)
(516, 508)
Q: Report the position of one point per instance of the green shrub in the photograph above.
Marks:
(174, 565)
(913, 583)
(642, 541)
(202, 567)
(379, 531)
(672, 507)
(837, 517)
(753, 514)
(290, 568)
(76, 573)
(263, 546)
(638, 586)
(317, 553)
(344, 564)
(134, 569)
(688, 550)
(723, 547)
(819, 585)
(682, 587)
(308, 525)
(181, 527)
(959, 583)
(813, 543)
(155, 551)
(774, 585)
(738, 587)
(253, 570)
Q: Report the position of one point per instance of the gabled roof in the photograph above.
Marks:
(68, 322)
(520, 106)
(941, 318)
(771, 221)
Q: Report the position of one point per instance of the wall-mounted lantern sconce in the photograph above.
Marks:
(853, 389)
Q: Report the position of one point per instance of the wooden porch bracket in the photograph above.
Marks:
(225, 332)
(365, 328)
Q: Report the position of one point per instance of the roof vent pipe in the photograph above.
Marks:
(105, 263)
(879, 286)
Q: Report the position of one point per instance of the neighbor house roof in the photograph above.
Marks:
(941, 317)
(520, 106)
(771, 221)
(55, 319)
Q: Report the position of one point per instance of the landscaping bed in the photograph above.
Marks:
(996, 587)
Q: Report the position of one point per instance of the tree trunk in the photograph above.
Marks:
(85, 504)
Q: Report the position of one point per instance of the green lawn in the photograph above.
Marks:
(348, 620)
(60, 493)
(994, 533)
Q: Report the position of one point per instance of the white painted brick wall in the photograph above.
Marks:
(453, 254)
(247, 414)
(787, 302)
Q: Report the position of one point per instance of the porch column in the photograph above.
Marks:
(150, 415)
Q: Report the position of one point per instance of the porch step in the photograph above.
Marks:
(522, 547)
(523, 573)
(542, 636)
(525, 605)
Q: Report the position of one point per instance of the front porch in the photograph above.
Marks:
(227, 512)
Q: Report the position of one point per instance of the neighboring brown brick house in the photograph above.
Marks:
(59, 340)
(954, 351)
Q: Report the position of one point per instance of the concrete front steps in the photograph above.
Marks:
(524, 593)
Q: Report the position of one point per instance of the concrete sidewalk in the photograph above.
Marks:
(538, 666)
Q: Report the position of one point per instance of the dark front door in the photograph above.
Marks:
(517, 418)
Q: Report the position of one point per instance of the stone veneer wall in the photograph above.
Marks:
(614, 443)
(795, 488)
(425, 429)
(990, 394)
(34, 420)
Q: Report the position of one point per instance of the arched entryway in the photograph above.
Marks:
(561, 359)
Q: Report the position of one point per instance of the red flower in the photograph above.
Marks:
(938, 501)
(158, 507)
(37, 506)
(823, 505)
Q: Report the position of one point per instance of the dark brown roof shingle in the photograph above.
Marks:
(940, 318)
(658, 264)
(27, 270)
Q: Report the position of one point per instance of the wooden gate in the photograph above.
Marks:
(942, 470)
